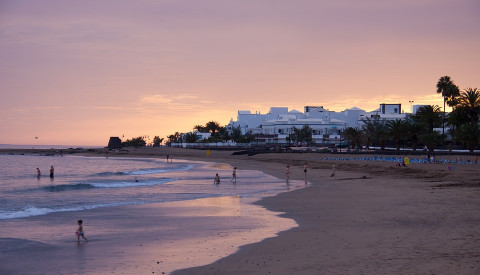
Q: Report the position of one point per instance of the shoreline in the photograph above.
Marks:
(157, 237)
(372, 217)
(237, 221)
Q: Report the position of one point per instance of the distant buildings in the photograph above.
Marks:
(277, 125)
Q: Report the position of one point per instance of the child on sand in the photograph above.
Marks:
(80, 232)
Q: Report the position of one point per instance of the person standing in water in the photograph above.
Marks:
(287, 173)
(51, 172)
(234, 174)
(217, 179)
(38, 173)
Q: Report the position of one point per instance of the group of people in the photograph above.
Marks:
(216, 180)
(52, 170)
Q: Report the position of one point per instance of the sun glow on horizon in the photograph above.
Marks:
(77, 73)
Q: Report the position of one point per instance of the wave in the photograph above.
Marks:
(112, 184)
(157, 171)
(107, 174)
(122, 184)
(145, 171)
(30, 211)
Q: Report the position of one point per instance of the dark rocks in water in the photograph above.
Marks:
(114, 143)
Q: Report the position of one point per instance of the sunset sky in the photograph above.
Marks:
(78, 72)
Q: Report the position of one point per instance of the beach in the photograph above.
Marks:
(371, 217)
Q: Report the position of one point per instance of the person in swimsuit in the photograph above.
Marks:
(234, 174)
(38, 173)
(51, 172)
(80, 232)
(217, 179)
(287, 173)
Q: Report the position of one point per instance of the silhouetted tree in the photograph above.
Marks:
(191, 137)
(397, 129)
(156, 141)
(449, 91)
(135, 142)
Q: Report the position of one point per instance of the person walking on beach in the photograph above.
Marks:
(305, 169)
(168, 156)
(38, 173)
(80, 232)
(287, 173)
(333, 171)
(217, 179)
(51, 172)
(234, 174)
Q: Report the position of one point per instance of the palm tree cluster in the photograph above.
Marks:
(303, 134)
(411, 131)
(464, 118)
(418, 129)
(217, 134)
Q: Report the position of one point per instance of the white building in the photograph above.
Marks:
(279, 122)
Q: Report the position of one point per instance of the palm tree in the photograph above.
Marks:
(397, 129)
(368, 129)
(354, 135)
(469, 105)
(466, 117)
(200, 128)
(429, 115)
(449, 91)
(175, 138)
(413, 130)
(156, 141)
(375, 131)
(303, 135)
(191, 137)
(469, 135)
(212, 127)
(431, 139)
(236, 134)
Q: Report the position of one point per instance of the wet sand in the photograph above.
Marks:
(371, 218)
(144, 239)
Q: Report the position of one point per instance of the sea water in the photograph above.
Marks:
(82, 183)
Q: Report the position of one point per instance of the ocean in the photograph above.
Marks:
(82, 183)
(141, 215)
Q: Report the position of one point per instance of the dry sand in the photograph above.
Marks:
(371, 218)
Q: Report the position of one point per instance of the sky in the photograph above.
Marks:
(78, 72)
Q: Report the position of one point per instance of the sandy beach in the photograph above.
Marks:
(372, 217)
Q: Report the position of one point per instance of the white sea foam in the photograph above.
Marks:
(157, 171)
(123, 184)
(30, 211)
